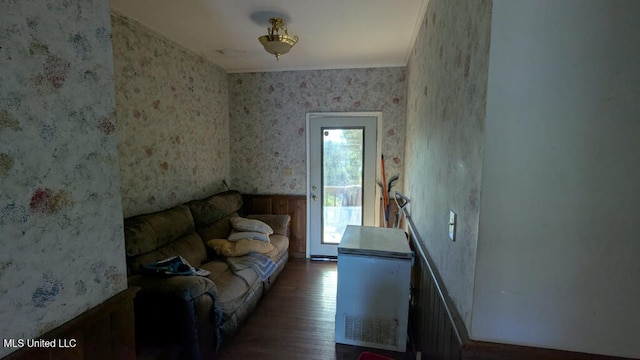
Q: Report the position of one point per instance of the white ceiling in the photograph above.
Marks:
(333, 34)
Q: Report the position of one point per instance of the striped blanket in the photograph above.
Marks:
(261, 264)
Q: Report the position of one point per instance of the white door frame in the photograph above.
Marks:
(378, 193)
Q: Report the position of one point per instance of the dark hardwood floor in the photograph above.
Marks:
(295, 319)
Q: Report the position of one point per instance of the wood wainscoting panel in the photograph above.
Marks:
(293, 205)
(104, 332)
(432, 317)
(437, 329)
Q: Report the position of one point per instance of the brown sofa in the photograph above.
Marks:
(191, 315)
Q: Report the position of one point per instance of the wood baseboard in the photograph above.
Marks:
(480, 350)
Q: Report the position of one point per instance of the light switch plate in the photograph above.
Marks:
(452, 225)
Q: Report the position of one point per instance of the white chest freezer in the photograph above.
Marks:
(374, 269)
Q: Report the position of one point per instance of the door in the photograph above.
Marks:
(342, 153)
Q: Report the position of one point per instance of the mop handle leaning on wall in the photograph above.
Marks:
(384, 193)
(401, 201)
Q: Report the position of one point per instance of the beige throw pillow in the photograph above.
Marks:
(239, 248)
(250, 225)
(252, 235)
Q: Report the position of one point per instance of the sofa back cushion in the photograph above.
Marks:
(212, 214)
(157, 236)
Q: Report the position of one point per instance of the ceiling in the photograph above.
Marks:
(333, 34)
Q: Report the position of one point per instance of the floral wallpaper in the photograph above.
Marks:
(173, 120)
(60, 210)
(267, 115)
(447, 90)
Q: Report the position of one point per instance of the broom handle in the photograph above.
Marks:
(384, 193)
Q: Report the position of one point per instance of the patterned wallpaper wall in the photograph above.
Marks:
(60, 210)
(447, 75)
(268, 114)
(173, 120)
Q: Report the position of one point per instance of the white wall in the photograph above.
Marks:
(557, 258)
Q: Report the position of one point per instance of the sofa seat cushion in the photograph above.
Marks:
(280, 247)
(233, 288)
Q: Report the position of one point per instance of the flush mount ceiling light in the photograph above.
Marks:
(275, 42)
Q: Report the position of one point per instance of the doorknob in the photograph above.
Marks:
(314, 197)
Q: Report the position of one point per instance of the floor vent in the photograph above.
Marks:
(365, 329)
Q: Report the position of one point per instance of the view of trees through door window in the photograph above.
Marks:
(342, 160)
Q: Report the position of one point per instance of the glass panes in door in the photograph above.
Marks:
(342, 180)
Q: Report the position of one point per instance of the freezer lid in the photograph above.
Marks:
(375, 241)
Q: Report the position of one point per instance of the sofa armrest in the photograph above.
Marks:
(180, 311)
(183, 287)
(279, 223)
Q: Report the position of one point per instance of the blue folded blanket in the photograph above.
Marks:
(261, 264)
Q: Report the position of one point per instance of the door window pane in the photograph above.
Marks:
(342, 169)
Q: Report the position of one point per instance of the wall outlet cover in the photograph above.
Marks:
(452, 225)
